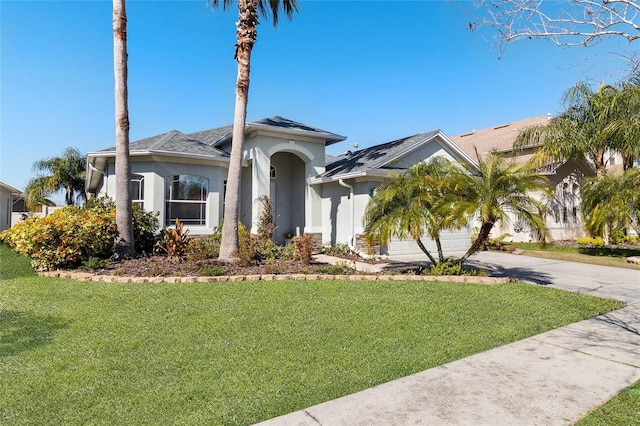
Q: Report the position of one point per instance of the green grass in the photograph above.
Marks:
(624, 409)
(605, 256)
(240, 352)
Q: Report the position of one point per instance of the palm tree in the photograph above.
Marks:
(496, 191)
(124, 215)
(625, 124)
(246, 35)
(65, 172)
(407, 205)
(612, 202)
(578, 133)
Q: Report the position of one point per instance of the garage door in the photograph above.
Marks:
(453, 242)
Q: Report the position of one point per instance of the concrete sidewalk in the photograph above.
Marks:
(550, 379)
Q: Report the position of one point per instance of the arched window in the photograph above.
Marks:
(186, 199)
(137, 190)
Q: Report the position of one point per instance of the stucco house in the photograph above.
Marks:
(7, 196)
(184, 176)
(565, 220)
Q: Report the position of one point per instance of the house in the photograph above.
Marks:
(565, 221)
(7, 196)
(184, 176)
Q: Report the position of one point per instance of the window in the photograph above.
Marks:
(137, 190)
(186, 199)
(568, 202)
(272, 172)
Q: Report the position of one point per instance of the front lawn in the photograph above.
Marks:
(240, 352)
(604, 256)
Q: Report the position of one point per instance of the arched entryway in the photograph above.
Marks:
(287, 193)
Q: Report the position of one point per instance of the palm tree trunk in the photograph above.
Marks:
(481, 241)
(124, 216)
(246, 37)
(425, 251)
(439, 246)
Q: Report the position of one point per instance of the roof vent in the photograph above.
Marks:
(355, 146)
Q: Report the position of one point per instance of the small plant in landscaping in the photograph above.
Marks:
(339, 249)
(448, 267)
(340, 268)
(94, 263)
(202, 249)
(587, 241)
(212, 271)
(304, 247)
(173, 242)
(266, 227)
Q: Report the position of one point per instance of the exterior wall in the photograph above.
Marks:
(296, 161)
(154, 173)
(6, 205)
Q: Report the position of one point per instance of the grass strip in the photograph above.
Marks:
(623, 409)
(603, 256)
(240, 352)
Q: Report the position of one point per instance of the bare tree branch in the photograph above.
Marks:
(565, 23)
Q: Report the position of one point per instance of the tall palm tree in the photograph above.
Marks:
(497, 190)
(65, 172)
(124, 215)
(579, 132)
(612, 202)
(246, 36)
(407, 205)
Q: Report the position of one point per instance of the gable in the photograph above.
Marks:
(400, 154)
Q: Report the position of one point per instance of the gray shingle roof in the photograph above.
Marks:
(283, 124)
(173, 142)
(374, 157)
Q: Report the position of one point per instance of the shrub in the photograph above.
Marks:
(304, 247)
(173, 242)
(94, 263)
(246, 250)
(339, 249)
(340, 268)
(202, 249)
(65, 238)
(212, 271)
(145, 229)
(266, 227)
(587, 241)
(448, 267)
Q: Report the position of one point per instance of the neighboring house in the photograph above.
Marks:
(184, 176)
(565, 221)
(7, 196)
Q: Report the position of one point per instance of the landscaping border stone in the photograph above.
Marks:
(87, 276)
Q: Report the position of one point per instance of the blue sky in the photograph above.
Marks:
(373, 71)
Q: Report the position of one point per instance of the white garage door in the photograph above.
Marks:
(452, 242)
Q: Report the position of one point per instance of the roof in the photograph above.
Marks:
(172, 142)
(10, 188)
(499, 138)
(379, 157)
(205, 142)
(283, 125)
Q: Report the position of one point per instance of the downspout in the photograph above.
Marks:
(352, 228)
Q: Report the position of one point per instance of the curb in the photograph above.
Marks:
(87, 276)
